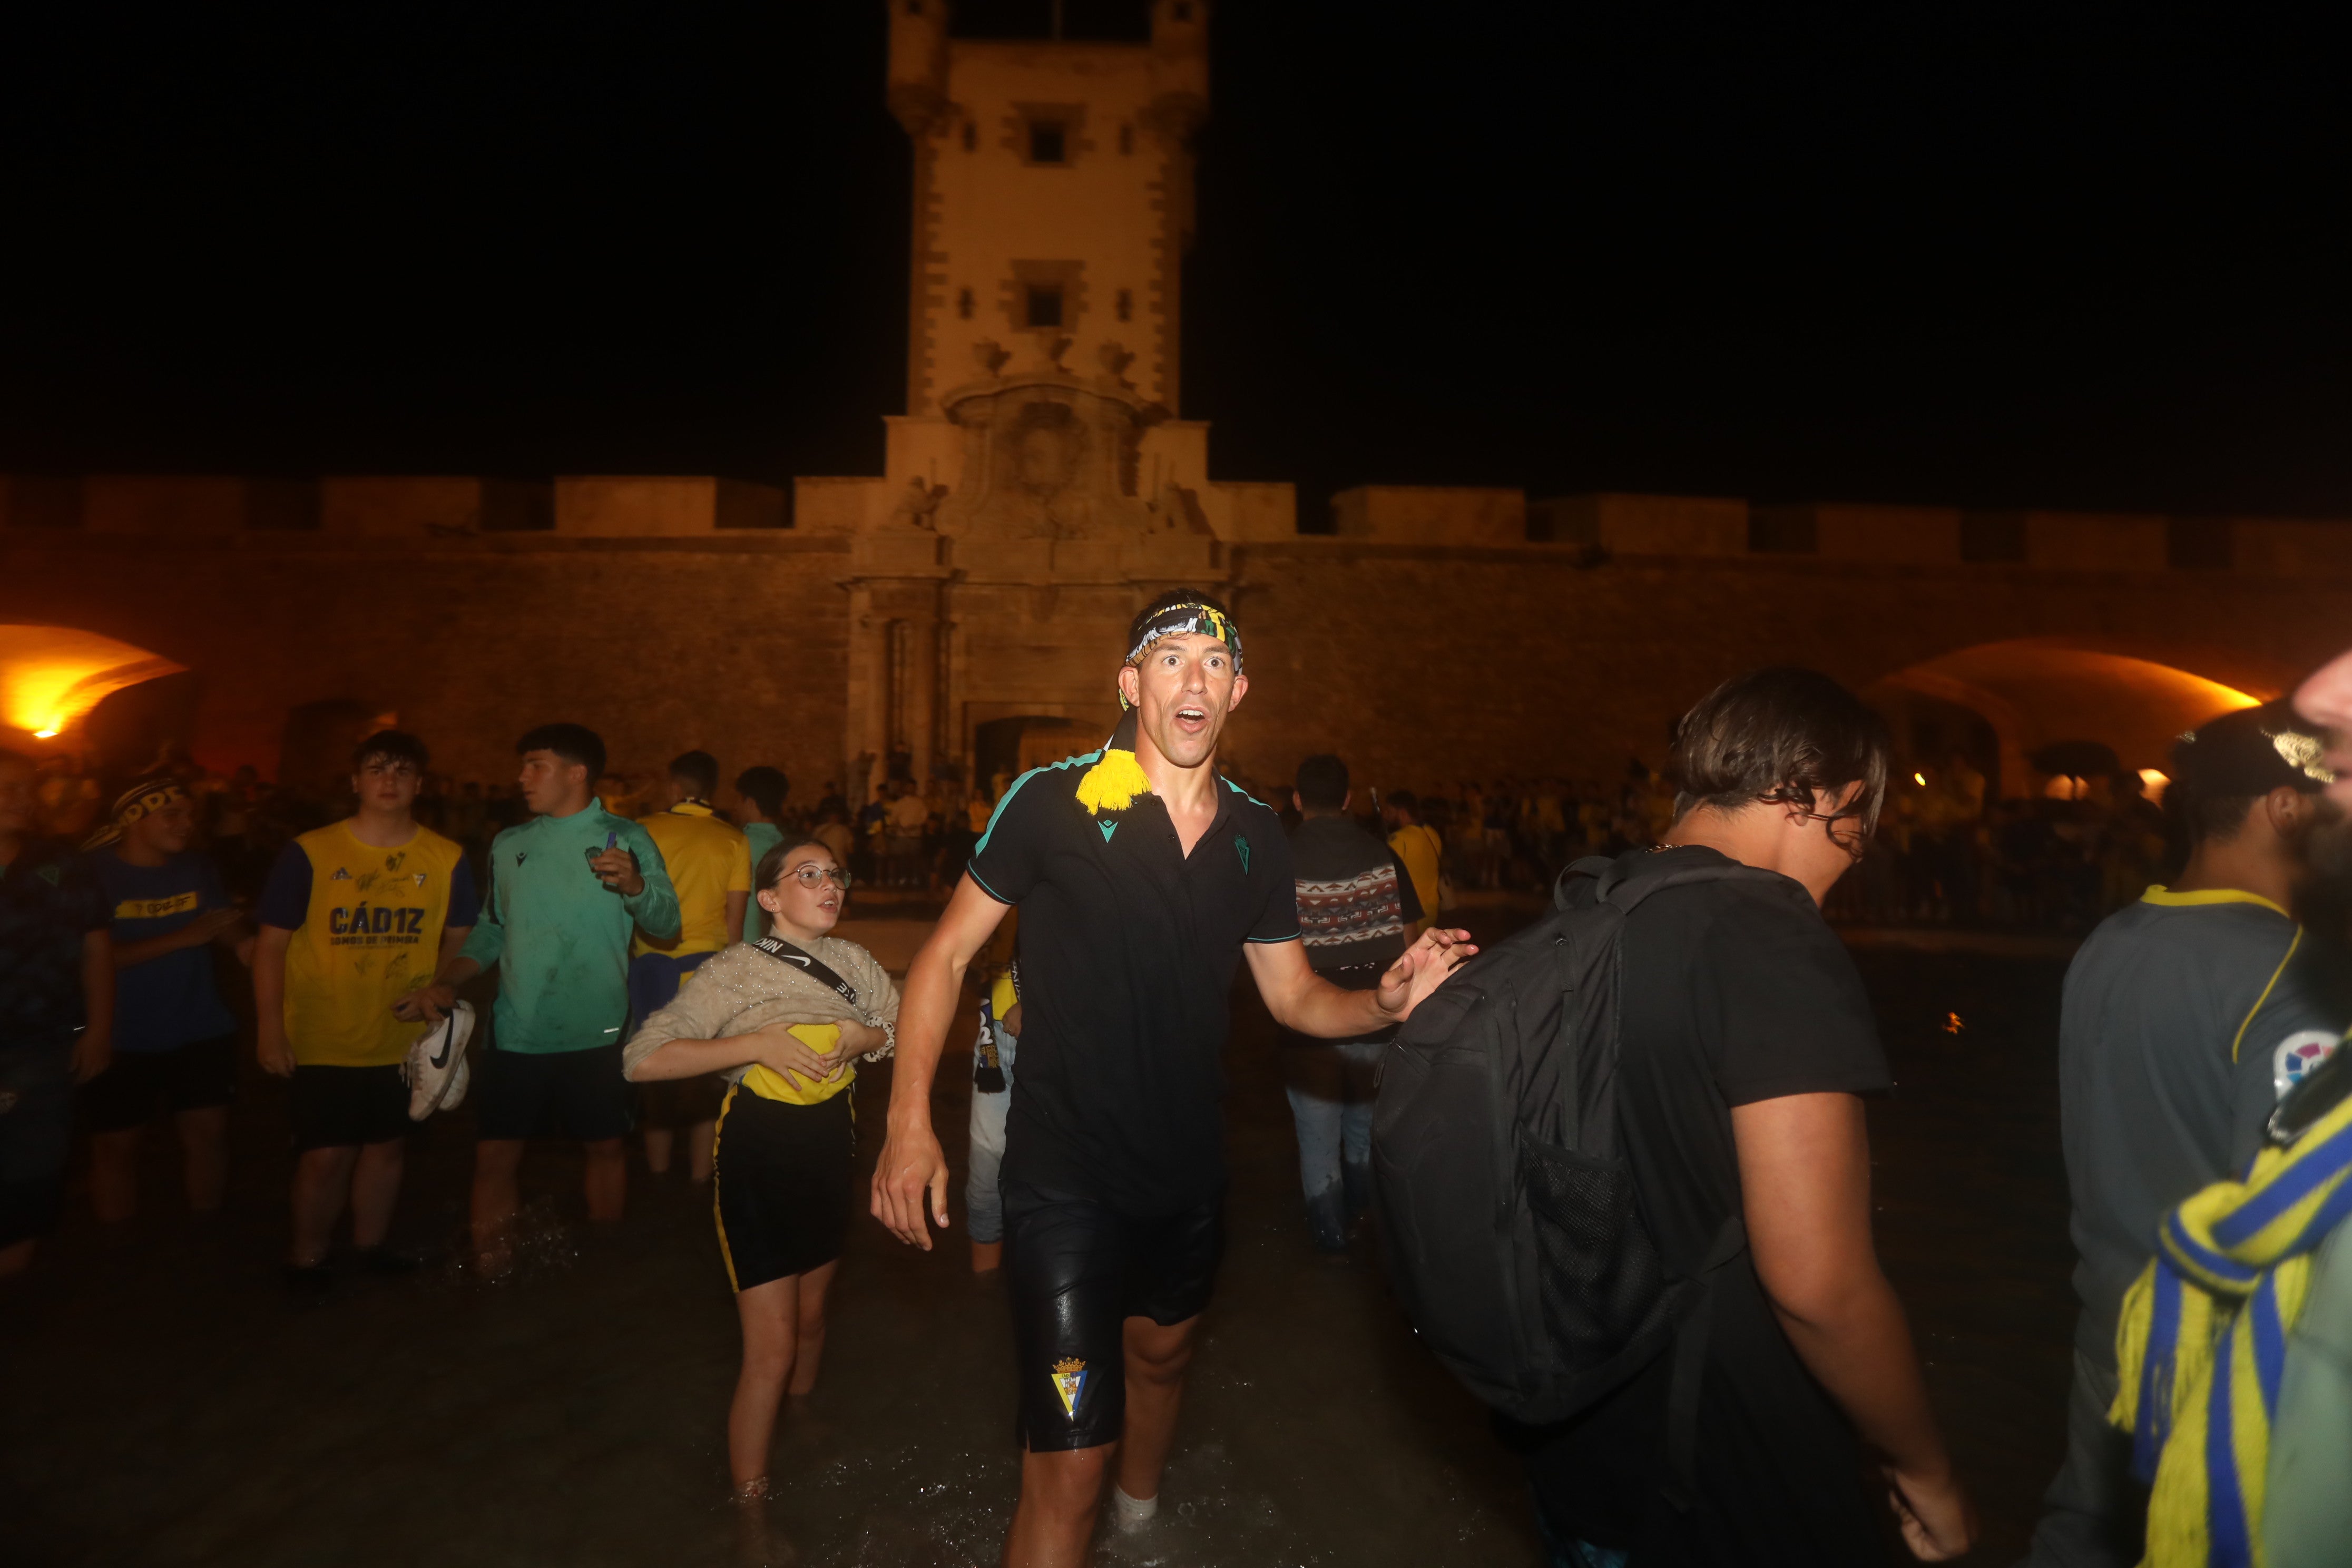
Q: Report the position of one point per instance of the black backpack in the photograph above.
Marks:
(1507, 1211)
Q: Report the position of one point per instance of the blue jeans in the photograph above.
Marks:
(983, 1203)
(1330, 1083)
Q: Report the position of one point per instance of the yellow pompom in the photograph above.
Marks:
(1112, 784)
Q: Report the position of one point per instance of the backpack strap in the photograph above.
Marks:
(1689, 1376)
(800, 958)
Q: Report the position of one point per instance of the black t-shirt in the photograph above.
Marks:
(1734, 993)
(1127, 952)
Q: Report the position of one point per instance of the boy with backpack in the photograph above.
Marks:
(1672, 1295)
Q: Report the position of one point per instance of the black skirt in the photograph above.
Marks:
(781, 1187)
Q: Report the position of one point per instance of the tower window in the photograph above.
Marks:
(1126, 139)
(1045, 142)
(963, 303)
(1126, 304)
(971, 136)
(1044, 305)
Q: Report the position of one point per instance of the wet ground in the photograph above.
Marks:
(161, 1402)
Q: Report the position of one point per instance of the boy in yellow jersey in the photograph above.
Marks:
(711, 866)
(356, 919)
(1418, 849)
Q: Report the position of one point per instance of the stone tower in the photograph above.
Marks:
(1039, 487)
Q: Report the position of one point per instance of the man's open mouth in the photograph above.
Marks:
(1192, 718)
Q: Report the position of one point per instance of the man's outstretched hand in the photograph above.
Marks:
(1423, 969)
(912, 1164)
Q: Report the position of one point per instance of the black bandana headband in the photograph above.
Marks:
(1184, 620)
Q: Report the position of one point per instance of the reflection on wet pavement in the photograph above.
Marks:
(165, 1403)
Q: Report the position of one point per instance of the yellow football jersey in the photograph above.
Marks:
(367, 926)
(707, 859)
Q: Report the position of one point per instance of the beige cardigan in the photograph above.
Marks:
(742, 989)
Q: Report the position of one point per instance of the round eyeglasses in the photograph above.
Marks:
(815, 875)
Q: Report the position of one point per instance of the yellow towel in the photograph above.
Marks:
(790, 1087)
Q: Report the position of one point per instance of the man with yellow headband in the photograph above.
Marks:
(1143, 878)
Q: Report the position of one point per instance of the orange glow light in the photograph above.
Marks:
(51, 676)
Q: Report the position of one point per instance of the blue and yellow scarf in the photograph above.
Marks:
(2203, 1343)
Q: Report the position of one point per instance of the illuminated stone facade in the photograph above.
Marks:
(964, 610)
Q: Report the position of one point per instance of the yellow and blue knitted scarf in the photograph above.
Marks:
(2203, 1343)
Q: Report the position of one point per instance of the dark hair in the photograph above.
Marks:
(2225, 765)
(1322, 783)
(391, 746)
(1405, 800)
(698, 769)
(772, 864)
(1779, 734)
(1146, 616)
(764, 787)
(572, 742)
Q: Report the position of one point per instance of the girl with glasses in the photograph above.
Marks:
(785, 1020)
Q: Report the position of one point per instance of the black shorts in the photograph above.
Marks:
(1077, 1269)
(781, 1188)
(36, 1104)
(553, 1094)
(678, 1103)
(341, 1107)
(139, 1086)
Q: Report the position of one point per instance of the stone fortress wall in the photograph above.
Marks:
(1437, 634)
(968, 604)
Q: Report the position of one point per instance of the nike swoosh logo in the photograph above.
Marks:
(788, 958)
(442, 1059)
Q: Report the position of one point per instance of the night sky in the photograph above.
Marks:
(1999, 259)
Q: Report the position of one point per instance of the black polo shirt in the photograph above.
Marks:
(1127, 947)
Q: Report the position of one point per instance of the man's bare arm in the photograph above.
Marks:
(912, 1164)
(1804, 1172)
(1302, 1000)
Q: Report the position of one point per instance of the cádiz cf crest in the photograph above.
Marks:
(1070, 1382)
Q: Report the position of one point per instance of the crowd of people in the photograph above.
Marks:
(666, 963)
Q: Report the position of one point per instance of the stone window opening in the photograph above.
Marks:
(963, 304)
(971, 136)
(1044, 305)
(1126, 139)
(1125, 304)
(1049, 141)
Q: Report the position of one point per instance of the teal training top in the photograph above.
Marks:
(764, 836)
(560, 937)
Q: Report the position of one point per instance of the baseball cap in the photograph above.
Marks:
(2250, 752)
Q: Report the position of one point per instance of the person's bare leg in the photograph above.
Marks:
(986, 1256)
(16, 1257)
(1156, 1358)
(1061, 1493)
(376, 1188)
(114, 1175)
(769, 1314)
(204, 1150)
(322, 1177)
(809, 1336)
(701, 1151)
(604, 1178)
(659, 1140)
(497, 1163)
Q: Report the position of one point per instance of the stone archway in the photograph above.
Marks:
(2031, 692)
(52, 677)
